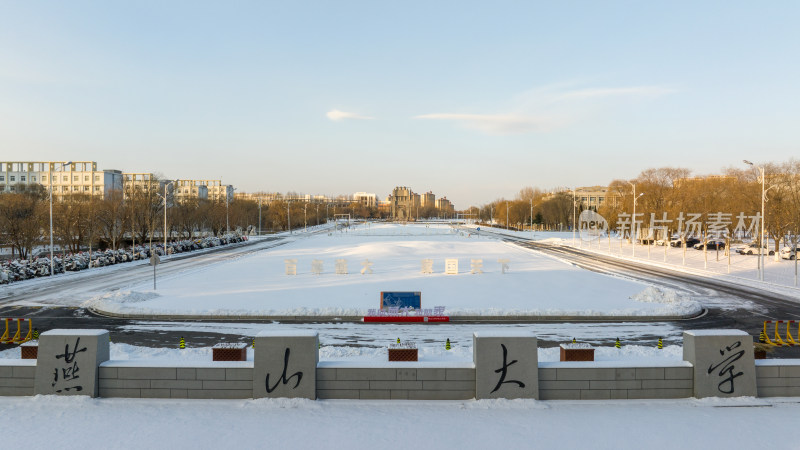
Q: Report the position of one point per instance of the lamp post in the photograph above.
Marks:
(288, 216)
(165, 212)
(305, 217)
(763, 217)
(531, 218)
(633, 221)
(574, 206)
(52, 170)
(506, 216)
(227, 216)
(259, 216)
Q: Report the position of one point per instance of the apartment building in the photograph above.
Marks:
(367, 199)
(190, 190)
(66, 177)
(427, 199)
(444, 204)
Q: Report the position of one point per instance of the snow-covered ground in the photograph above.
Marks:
(257, 285)
(84, 423)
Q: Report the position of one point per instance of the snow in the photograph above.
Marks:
(288, 332)
(716, 333)
(256, 284)
(71, 332)
(82, 422)
(778, 362)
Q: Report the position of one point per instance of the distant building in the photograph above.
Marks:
(589, 197)
(367, 199)
(427, 200)
(77, 177)
(444, 205)
(212, 190)
(189, 190)
(401, 203)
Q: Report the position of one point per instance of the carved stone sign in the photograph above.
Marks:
(723, 362)
(506, 365)
(68, 361)
(285, 364)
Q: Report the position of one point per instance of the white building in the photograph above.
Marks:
(367, 199)
(77, 177)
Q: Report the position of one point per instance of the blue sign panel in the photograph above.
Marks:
(401, 300)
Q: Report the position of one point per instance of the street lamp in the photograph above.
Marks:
(259, 216)
(633, 221)
(288, 216)
(227, 217)
(532, 218)
(763, 217)
(305, 217)
(165, 211)
(574, 206)
(52, 167)
(506, 216)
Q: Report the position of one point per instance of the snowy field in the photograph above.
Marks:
(84, 423)
(257, 285)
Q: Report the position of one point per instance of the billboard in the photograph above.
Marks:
(401, 300)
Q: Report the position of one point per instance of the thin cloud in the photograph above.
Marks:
(498, 124)
(635, 91)
(549, 107)
(336, 115)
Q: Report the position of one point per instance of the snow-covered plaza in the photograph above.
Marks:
(342, 273)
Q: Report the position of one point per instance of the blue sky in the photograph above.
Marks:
(473, 100)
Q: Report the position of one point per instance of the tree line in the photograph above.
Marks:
(82, 221)
(673, 191)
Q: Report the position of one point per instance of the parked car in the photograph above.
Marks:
(752, 249)
(713, 244)
(788, 253)
(690, 242)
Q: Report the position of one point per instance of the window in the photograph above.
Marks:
(11, 188)
(12, 178)
(74, 178)
(33, 178)
(86, 188)
(86, 178)
(97, 178)
(2, 178)
(66, 178)
(22, 178)
(97, 188)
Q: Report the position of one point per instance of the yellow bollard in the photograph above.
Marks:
(778, 339)
(447, 344)
(28, 336)
(617, 344)
(17, 336)
(182, 344)
(766, 336)
(789, 337)
(5, 339)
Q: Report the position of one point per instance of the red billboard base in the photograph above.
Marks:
(406, 319)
